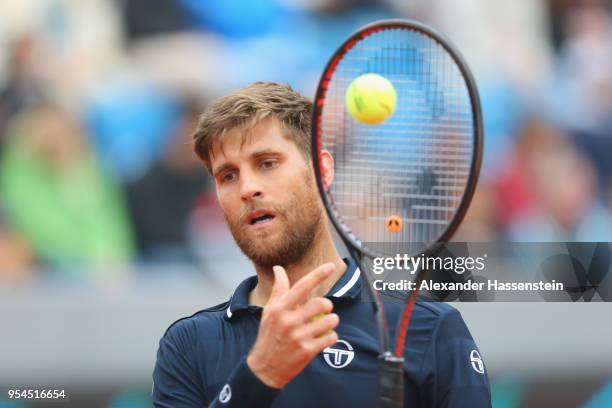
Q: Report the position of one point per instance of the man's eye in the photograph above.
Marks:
(268, 164)
(229, 176)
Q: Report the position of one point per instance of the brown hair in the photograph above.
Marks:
(247, 107)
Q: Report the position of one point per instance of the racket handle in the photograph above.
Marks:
(391, 381)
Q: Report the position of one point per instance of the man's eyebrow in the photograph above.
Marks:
(222, 168)
(264, 152)
(254, 156)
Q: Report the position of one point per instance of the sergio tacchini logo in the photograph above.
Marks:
(339, 355)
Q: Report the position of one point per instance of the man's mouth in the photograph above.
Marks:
(259, 217)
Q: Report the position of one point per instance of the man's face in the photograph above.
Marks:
(266, 190)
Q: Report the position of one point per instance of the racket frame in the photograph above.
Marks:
(391, 387)
(477, 121)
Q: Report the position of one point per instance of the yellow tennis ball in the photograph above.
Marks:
(317, 317)
(371, 99)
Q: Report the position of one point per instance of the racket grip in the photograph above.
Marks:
(391, 381)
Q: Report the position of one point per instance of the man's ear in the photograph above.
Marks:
(326, 161)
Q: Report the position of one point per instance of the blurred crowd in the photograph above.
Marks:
(98, 99)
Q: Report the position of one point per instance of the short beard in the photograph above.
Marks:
(302, 218)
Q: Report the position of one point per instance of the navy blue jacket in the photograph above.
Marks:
(201, 359)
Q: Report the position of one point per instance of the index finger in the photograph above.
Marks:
(300, 291)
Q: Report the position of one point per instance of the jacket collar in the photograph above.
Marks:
(347, 287)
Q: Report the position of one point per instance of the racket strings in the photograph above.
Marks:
(415, 165)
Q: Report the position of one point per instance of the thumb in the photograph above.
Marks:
(281, 282)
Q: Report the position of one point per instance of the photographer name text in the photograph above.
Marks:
(469, 285)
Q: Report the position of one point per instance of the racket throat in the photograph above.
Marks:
(391, 381)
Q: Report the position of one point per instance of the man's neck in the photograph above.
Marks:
(322, 251)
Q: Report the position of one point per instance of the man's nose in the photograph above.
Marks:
(250, 189)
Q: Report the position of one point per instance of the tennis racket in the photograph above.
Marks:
(420, 166)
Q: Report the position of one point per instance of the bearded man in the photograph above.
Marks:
(297, 334)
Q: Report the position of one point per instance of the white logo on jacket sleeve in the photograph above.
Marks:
(477, 363)
(339, 355)
(226, 394)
